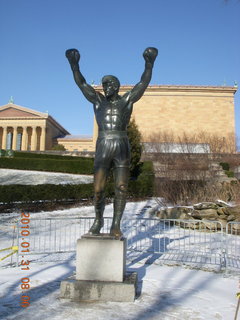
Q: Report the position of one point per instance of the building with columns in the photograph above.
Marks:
(26, 129)
(166, 108)
(177, 110)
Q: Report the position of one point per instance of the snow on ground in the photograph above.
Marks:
(165, 292)
(12, 176)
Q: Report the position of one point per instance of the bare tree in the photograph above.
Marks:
(187, 166)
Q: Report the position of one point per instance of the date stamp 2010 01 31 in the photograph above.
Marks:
(25, 264)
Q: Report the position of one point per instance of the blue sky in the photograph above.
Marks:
(198, 43)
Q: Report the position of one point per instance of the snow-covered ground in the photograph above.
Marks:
(166, 292)
(11, 176)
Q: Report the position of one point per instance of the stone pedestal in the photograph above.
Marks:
(101, 258)
(100, 271)
(81, 290)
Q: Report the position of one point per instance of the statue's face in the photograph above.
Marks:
(109, 88)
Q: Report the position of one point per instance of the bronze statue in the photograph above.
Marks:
(112, 113)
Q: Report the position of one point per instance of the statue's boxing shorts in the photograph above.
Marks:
(112, 150)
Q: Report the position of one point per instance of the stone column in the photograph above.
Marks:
(14, 140)
(43, 139)
(4, 138)
(24, 139)
(34, 139)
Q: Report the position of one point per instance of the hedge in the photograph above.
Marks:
(28, 193)
(80, 166)
(142, 187)
(46, 156)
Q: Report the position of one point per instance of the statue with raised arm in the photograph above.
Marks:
(112, 113)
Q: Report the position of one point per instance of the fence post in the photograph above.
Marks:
(224, 247)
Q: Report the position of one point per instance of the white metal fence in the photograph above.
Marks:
(8, 236)
(233, 245)
(198, 243)
(190, 242)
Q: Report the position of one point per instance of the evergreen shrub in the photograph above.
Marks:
(78, 166)
(143, 185)
(28, 193)
(32, 155)
(225, 166)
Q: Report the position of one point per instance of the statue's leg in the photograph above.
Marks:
(100, 178)
(121, 176)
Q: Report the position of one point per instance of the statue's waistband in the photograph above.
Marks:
(112, 134)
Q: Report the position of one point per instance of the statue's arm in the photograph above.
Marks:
(88, 91)
(137, 92)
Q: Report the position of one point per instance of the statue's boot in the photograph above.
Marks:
(98, 221)
(119, 205)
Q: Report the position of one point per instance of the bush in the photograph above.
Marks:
(32, 155)
(225, 166)
(27, 193)
(230, 174)
(189, 192)
(134, 136)
(80, 165)
(143, 186)
(59, 147)
(181, 192)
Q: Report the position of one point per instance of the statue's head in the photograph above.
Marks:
(110, 85)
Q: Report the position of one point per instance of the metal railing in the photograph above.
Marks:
(8, 235)
(198, 243)
(192, 242)
(50, 235)
(233, 245)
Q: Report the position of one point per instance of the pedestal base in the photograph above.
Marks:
(82, 290)
(100, 271)
(101, 258)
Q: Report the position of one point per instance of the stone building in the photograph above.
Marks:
(26, 129)
(77, 143)
(185, 110)
(176, 109)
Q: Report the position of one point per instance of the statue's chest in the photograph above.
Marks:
(114, 109)
(111, 110)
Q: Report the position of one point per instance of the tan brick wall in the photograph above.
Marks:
(188, 109)
(79, 145)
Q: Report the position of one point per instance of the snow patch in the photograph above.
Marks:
(11, 176)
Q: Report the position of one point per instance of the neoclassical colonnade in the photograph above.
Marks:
(23, 138)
